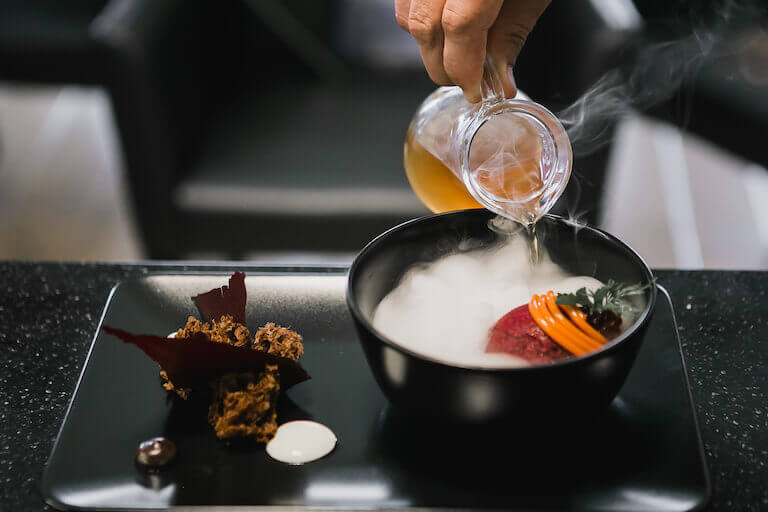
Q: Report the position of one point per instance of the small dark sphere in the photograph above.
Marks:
(607, 322)
(156, 452)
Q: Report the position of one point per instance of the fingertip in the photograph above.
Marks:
(473, 94)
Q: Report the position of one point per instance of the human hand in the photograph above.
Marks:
(456, 37)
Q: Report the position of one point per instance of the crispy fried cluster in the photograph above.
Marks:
(243, 404)
(225, 330)
(279, 341)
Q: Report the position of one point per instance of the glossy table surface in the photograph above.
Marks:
(48, 314)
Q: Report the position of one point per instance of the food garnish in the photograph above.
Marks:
(190, 361)
(227, 300)
(603, 306)
(584, 339)
(240, 376)
(612, 297)
(552, 327)
(558, 327)
(579, 318)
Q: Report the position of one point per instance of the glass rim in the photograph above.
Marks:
(555, 132)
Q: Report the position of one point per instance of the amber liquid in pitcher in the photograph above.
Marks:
(432, 182)
(442, 191)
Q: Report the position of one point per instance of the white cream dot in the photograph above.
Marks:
(299, 442)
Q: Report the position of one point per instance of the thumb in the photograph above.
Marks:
(508, 34)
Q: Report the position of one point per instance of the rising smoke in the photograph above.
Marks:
(659, 69)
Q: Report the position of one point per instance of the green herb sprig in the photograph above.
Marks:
(611, 297)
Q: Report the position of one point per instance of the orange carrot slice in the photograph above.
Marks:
(578, 317)
(566, 324)
(544, 319)
(560, 330)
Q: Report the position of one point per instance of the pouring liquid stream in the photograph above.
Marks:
(533, 244)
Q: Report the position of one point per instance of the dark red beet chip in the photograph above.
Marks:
(517, 333)
(227, 300)
(189, 361)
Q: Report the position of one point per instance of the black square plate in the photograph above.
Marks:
(643, 453)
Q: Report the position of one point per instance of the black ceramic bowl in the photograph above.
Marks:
(420, 385)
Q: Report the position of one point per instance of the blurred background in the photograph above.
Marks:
(272, 130)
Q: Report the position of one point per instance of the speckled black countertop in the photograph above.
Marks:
(49, 312)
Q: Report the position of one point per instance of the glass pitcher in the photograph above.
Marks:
(512, 157)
